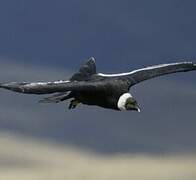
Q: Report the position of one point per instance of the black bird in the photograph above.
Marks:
(92, 88)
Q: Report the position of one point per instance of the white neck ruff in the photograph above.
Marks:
(122, 101)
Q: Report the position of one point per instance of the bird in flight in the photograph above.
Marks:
(91, 88)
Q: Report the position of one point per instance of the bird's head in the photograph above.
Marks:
(127, 102)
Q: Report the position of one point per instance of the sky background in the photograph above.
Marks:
(49, 40)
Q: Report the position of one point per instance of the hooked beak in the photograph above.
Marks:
(137, 108)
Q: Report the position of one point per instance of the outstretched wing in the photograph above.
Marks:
(52, 87)
(139, 75)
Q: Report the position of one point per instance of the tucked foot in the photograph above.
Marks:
(73, 104)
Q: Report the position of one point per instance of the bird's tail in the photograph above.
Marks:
(59, 97)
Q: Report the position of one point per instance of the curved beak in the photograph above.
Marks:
(137, 108)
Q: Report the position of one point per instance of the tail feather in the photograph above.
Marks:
(59, 97)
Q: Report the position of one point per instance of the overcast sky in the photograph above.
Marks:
(48, 40)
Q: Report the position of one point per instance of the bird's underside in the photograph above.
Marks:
(92, 88)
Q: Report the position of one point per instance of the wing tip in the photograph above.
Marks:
(92, 58)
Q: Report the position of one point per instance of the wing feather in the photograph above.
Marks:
(159, 70)
(51, 87)
(139, 75)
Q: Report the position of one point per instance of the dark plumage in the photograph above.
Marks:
(92, 88)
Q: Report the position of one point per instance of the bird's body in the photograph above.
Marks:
(106, 97)
(92, 88)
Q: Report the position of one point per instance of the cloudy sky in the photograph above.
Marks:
(49, 40)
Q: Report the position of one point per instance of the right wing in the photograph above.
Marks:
(146, 73)
(143, 74)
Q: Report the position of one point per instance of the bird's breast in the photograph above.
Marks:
(102, 99)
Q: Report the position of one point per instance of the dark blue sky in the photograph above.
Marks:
(120, 34)
(47, 39)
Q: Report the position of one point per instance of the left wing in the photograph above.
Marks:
(52, 87)
(139, 75)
